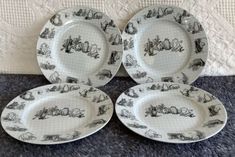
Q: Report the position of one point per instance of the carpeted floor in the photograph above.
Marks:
(115, 139)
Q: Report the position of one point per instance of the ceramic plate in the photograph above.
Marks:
(164, 44)
(171, 112)
(57, 113)
(80, 45)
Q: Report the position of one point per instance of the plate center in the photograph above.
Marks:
(163, 47)
(169, 113)
(55, 115)
(80, 48)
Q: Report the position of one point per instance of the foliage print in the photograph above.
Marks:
(70, 79)
(72, 45)
(16, 106)
(163, 87)
(158, 110)
(205, 98)
(149, 80)
(47, 66)
(214, 110)
(85, 92)
(124, 102)
(11, 117)
(48, 33)
(180, 78)
(190, 136)
(96, 122)
(102, 110)
(63, 88)
(127, 114)
(128, 44)
(114, 57)
(100, 98)
(107, 25)
(152, 134)
(16, 128)
(27, 96)
(167, 79)
(189, 92)
(139, 75)
(136, 125)
(213, 123)
(44, 50)
(115, 39)
(55, 111)
(194, 27)
(105, 73)
(152, 47)
(59, 138)
(179, 18)
(159, 12)
(28, 136)
(131, 93)
(196, 64)
(131, 62)
(183, 78)
(88, 14)
(55, 77)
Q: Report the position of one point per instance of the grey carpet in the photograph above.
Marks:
(115, 139)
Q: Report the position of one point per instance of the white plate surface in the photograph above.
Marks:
(80, 45)
(171, 112)
(57, 113)
(164, 44)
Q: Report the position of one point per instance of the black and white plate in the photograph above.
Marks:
(57, 113)
(164, 44)
(80, 45)
(171, 112)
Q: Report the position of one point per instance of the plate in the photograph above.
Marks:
(171, 112)
(80, 45)
(164, 44)
(57, 113)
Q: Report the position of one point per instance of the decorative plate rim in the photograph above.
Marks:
(184, 86)
(94, 78)
(150, 78)
(106, 117)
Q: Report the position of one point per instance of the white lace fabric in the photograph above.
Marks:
(22, 20)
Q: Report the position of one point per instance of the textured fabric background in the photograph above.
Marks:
(22, 20)
(115, 140)
(227, 9)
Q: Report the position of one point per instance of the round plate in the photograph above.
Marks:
(57, 113)
(171, 112)
(164, 44)
(80, 45)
